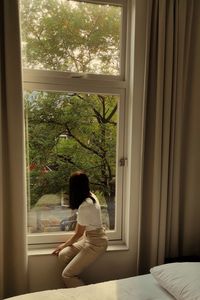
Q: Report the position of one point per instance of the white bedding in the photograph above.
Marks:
(142, 287)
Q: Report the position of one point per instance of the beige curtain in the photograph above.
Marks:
(168, 58)
(13, 257)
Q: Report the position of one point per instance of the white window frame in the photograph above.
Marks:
(56, 81)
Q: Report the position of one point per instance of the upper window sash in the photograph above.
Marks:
(90, 69)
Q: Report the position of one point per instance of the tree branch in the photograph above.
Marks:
(111, 114)
(81, 143)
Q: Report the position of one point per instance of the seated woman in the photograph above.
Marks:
(75, 255)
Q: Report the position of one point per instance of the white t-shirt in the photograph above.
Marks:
(89, 214)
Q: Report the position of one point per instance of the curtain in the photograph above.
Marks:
(183, 222)
(169, 26)
(13, 256)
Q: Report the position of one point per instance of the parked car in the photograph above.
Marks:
(68, 224)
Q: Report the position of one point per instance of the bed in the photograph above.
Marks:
(170, 281)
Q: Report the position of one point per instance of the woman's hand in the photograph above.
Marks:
(58, 249)
(79, 230)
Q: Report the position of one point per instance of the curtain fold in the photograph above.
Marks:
(13, 255)
(168, 47)
(182, 71)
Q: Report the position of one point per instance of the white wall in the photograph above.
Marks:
(44, 272)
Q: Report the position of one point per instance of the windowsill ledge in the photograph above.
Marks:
(48, 251)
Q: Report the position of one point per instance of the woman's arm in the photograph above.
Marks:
(79, 230)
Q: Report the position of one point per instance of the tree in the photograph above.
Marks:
(70, 36)
(70, 131)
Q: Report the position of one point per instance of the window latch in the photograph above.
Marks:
(122, 161)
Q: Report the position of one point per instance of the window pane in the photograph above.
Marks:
(72, 36)
(67, 132)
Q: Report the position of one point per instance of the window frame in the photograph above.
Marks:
(91, 83)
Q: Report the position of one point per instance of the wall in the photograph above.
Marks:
(44, 272)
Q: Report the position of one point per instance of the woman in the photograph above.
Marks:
(75, 255)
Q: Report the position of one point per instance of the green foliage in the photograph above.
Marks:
(67, 132)
(69, 35)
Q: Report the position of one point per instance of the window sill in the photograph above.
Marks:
(48, 251)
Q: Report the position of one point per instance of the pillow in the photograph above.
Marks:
(181, 280)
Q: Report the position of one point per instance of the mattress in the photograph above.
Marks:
(143, 287)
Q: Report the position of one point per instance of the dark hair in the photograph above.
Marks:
(79, 189)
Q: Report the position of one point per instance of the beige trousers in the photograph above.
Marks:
(74, 259)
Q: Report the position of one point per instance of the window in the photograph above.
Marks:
(74, 95)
